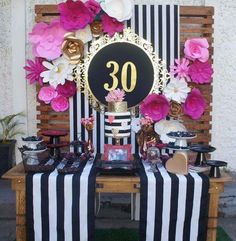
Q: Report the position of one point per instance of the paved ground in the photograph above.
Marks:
(111, 208)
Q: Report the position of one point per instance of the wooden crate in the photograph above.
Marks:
(195, 21)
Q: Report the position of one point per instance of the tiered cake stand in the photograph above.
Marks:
(181, 137)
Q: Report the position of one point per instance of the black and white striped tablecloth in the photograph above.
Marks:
(173, 207)
(60, 207)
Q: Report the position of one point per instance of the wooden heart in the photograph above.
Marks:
(178, 164)
(111, 118)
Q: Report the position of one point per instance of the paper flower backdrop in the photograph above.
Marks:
(182, 97)
(58, 46)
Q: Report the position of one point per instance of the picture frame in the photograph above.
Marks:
(117, 152)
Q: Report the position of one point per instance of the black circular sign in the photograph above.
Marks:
(121, 65)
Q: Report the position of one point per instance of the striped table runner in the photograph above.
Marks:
(173, 207)
(159, 24)
(60, 207)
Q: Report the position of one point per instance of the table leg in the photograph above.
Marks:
(20, 210)
(215, 190)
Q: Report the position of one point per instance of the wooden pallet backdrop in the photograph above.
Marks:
(195, 21)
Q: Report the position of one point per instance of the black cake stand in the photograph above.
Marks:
(201, 150)
(215, 167)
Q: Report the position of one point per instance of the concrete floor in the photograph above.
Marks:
(111, 208)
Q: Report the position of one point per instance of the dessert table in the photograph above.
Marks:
(111, 184)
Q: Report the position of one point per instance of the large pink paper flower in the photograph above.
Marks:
(195, 104)
(93, 7)
(67, 90)
(47, 39)
(180, 70)
(60, 103)
(74, 15)
(201, 73)
(47, 94)
(111, 25)
(34, 69)
(196, 48)
(155, 106)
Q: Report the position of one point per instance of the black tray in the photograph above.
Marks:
(117, 167)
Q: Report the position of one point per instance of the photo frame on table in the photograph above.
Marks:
(117, 152)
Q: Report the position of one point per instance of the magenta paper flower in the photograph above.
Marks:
(196, 48)
(67, 90)
(47, 94)
(34, 69)
(74, 15)
(201, 73)
(195, 104)
(180, 70)
(47, 39)
(155, 106)
(60, 103)
(116, 95)
(111, 25)
(93, 7)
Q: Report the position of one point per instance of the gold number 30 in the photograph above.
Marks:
(124, 73)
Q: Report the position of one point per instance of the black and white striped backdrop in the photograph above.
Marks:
(159, 24)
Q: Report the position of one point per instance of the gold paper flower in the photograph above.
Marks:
(73, 48)
(96, 28)
(175, 109)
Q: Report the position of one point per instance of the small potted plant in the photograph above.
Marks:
(9, 129)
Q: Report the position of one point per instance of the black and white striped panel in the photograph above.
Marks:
(61, 207)
(159, 24)
(173, 207)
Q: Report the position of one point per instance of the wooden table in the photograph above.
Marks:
(111, 184)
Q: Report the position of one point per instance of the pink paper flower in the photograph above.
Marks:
(195, 104)
(47, 94)
(115, 96)
(74, 15)
(180, 70)
(201, 73)
(155, 106)
(93, 7)
(145, 120)
(67, 90)
(60, 103)
(111, 25)
(196, 48)
(34, 69)
(47, 39)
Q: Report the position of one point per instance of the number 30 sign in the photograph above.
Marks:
(120, 62)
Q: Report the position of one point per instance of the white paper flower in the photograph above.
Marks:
(135, 125)
(165, 126)
(85, 35)
(177, 90)
(58, 72)
(118, 9)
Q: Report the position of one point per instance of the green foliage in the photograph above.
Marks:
(9, 126)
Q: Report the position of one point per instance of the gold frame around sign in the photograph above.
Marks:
(160, 77)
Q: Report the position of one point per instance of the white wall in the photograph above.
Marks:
(224, 86)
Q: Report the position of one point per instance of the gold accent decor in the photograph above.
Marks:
(176, 109)
(96, 28)
(160, 77)
(117, 106)
(73, 48)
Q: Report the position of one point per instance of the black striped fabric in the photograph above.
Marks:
(159, 24)
(173, 207)
(60, 207)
